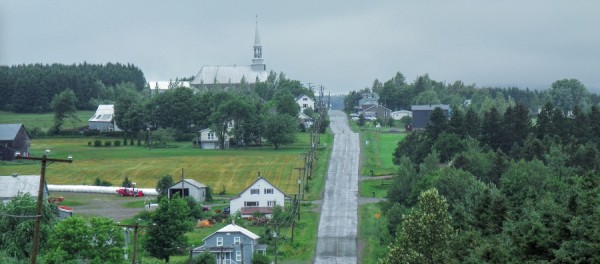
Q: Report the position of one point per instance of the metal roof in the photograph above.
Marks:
(228, 74)
(235, 228)
(9, 131)
(430, 107)
(104, 113)
(192, 182)
(11, 186)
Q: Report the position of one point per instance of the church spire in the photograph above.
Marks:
(257, 62)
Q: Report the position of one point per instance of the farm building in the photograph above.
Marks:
(397, 115)
(260, 197)
(14, 141)
(104, 119)
(377, 111)
(189, 187)
(11, 186)
(421, 114)
(231, 244)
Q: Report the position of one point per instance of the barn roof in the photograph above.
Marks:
(9, 131)
(11, 186)
(192, 182)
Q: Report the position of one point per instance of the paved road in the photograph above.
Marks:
(337, 234)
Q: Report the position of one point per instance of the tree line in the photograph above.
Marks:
(497, 188)
(31, 88)
(268, 111)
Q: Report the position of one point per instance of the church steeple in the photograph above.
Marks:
(257, 61)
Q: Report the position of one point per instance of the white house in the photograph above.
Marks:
(210, 140)
(189, 187)
(104, 119)
(397, 115)
(259, 197)
(305, 102)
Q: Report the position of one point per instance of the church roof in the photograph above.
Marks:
(228, 74)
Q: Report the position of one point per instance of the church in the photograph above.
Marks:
(228, 77)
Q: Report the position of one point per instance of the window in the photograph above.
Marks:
(251, 204)
(268, 190)
(254, 191)
(238, 256)
(271, 203)
(219, 241)
(236, 240)
(304, 99)
(211, 135)
(304, 105)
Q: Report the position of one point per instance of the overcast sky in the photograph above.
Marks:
(342, 45)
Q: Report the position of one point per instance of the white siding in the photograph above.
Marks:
(263, 199)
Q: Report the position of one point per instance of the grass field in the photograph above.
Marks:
(379, 187)
(223, 170)
(368, 233)
(43, 121)
(377, 153)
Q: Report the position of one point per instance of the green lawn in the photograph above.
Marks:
(379, 187)
(43, 121)
(368, 233)
(377, 153)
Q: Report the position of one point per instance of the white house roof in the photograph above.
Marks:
(192, 182)
(257, 180)
(430, 107)
(402, 111)
(104, 113)
(235, 228)
(9, 131)
(228, 74)
(11, 186)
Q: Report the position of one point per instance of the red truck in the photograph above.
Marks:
(130, 192)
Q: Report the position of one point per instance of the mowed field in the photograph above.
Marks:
(43, 121)
(223, 170)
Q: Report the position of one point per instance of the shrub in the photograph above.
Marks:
(89, 143)
(131, 141)
(117, 143)
(107, 143)
(97, 143)
(100, 182)
(125, 142)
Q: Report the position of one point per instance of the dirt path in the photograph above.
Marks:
(107, 205)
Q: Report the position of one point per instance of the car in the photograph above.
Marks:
(130, 192)
(226, 210)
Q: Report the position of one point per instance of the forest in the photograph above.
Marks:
(31, 88)
(496, 181)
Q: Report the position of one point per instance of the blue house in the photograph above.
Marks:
(232, 244)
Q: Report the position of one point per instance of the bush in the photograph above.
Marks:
(100, 182)
(97, 143)
(117, 143)
(107, 143)
(89, 143)
(125, 142)
(131, 141)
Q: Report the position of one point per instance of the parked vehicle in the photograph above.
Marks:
(130, 192)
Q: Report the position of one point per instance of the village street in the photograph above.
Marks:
(337, 233)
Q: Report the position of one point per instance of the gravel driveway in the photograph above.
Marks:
(107, 205)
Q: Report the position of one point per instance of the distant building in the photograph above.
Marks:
(157, 87)
(305, 102)
(368, 100)
(14, 141)
(231, 244)
(260, 197)
(421, 113)
(397, 115)
(377, 111)
(210, 140)
(11, 186)
(233, 76)
(189, 187)
(103, 119)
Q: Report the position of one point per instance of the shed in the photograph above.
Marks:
(11, 186)
(104, 119)
(14, 141)
(189, 187)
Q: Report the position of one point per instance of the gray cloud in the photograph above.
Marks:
(342, 45)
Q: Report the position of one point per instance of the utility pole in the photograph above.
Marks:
(136, 228)
(182, 183)
(40, 198)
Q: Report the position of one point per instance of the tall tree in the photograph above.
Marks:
(568, 93)
(64, 106)
(166, 237)
(280, 129)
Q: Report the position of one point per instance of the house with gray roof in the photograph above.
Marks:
(225, 77)
(11, 186)
(103, 119)
(231, 244)
(189, 187)
(14, 141)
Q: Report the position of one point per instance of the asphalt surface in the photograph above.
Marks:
(337, 233)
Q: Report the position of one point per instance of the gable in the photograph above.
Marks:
(259, 183)
(9, 132)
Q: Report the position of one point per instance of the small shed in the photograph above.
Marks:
(14, 141)
(104, 119)
(11, 186)
(189, 187)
